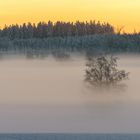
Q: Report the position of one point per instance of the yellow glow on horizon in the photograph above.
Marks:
(117, 12)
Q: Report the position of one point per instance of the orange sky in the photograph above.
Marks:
(117, 12)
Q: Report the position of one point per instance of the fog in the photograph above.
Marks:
(50, 96)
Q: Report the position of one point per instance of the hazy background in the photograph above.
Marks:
(50, 96)
(19, 11)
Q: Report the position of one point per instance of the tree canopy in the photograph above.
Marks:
(57, 29)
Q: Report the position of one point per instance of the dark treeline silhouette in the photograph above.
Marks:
(58, 29)
(60, 37)
(90, 44)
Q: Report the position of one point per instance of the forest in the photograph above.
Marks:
(58, 29)
(88, 37)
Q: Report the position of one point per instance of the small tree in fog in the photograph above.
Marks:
(103, 70)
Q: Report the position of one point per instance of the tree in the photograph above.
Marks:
(102, 71)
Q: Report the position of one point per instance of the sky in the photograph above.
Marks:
(120, 13)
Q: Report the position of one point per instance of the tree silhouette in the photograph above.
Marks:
(58, 29)
(103, 70)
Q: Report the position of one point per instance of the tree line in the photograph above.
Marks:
(57, 29)
(109, 43)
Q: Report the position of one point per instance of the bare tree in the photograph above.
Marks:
(103, 70)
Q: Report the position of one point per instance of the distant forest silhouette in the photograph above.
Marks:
(90, 37)
(58, 29)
